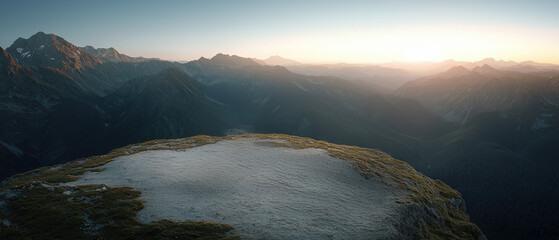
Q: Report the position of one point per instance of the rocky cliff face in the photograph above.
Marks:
(49, 50)
(244, 186)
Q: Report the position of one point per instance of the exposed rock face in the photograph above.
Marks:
(49, 50)
(8, 64)
(264, 186)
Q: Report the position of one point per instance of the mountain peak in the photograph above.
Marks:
(498, 64)
(488, 60)
(457, 70)
(277, 60)
(112, 55)
(43, 38)
(232, 60)
(51, 51)
(484, 69)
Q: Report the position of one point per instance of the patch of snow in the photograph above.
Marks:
(49, 187)
(265, 100)
(41, 47)
(18, 152)
(313, 82)
(265, 191)
(51, 59)
(276, 108)
(19, 50)
(215, 101)
(26, 54)
(55, 168)
(67, 192)
(301, 87)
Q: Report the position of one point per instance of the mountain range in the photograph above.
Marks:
(388, 77)
(486, 128)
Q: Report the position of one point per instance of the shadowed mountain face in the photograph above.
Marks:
(227, 94)
(49, 50)
(505, 165)
(273, 99)
(169, 104)
(497, 145)
(42, 113)
(506, 128)
(98, 76)
(458, 95)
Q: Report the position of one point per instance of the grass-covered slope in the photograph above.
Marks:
(34, 205)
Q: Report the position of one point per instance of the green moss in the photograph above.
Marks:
(92, 211)
(43, 213)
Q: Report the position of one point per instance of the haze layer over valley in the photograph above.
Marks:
(486, 128)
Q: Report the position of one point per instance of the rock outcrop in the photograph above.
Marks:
(241, 186)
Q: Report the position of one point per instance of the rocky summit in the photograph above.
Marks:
(241, 186)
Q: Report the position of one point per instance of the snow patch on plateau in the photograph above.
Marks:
(264, 190)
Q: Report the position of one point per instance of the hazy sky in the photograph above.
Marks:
(311, 31)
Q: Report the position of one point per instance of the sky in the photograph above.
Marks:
(324, 31)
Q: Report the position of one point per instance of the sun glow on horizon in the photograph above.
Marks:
(423, 53)
(418, 44)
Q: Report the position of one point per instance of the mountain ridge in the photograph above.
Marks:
(49, 50)
(112, 55)
(500, 132)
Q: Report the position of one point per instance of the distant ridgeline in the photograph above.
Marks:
(488, 129)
